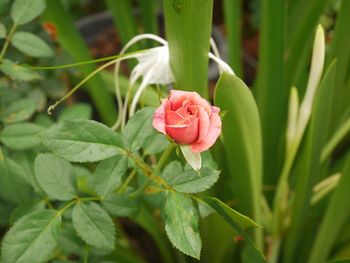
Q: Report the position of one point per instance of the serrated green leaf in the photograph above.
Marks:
(181, 224)
(120, 204)
(17, 111)
(108, 174)
(54, 175)
(155, 144)
(25, 209)
(21, 136)
(138, 129)
(82, 141)
(188, 180)
(31, 45)
(23, 11)
(3, 31)
(77, 111)
(94, 225)
(69, 241)
(17, 72)
(32, 238)
(13, 186)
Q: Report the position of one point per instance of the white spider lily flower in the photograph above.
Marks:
(154, 68)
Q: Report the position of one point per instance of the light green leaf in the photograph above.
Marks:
(3, 31)
(33, 238)
(69, 240)
(108, 174)
(155, 144)
(188, 180)
(120, 204)
(25, 209)
(193, 159)
(82, 141)
(77, 111)
(23, 11)
(241, 133)
(19, 110)
(13, 186)
(181, 224)
(138, 129)
(17, 72)
(21, 136)
(94, 225)
(339, 261)
(54, 175)
(31, 45)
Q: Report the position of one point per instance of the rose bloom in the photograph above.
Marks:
(188, 119)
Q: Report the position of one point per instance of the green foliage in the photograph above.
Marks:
(120, 204)
(82, 140)
(54, 176)
(76, 111)
(31, 45)
(181, 224)
(24, 11)
(108, 174)
(17, 72)
(94, 225)
(188, 180)
(17, 111)
(21, 136)
(138, 129)
(3, 31)
(33, 238)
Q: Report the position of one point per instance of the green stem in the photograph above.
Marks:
(164, 157)
(7, 42)
(86, 253)
(126, 182)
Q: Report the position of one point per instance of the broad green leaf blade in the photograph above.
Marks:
(23, 11)
(189, 181)
(138, 129)
(239, 223)
(149, 17)
(94, 225)
(271, 94)
(76, 111)
(335, 218)
(157, 143)
(82, 141)
(181, 224)
(13, 186)
(3, 31)
(26, 208)
(188, 28)
(31, 45)
(120, 204)
(242, 141)
(108, 174)
(33, 238)
(233, 16)
(17, 111)
(70, 39)
(54, 176)
(192, 158)
(309, 167)
(17, 72)
(21, 136)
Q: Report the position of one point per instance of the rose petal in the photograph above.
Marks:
(174, 118)
(212, 135)
(177, 97)
(184, 135)
(159, 116)
(204, 123)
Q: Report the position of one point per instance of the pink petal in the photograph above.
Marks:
(212, 135)
(174, 118)
(159, 116)
(204, 123)
(177, 97)
(184, 135)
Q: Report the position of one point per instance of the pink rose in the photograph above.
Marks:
(188, 119)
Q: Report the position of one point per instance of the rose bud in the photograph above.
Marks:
(188, 119)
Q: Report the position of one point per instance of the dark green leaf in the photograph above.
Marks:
(138, 129)
(13, 186)
(120, 204)
(32, 238)
(23, 11)
(17, 111)
(155, 144)
(181, 224)
(54, 175)
(108, 174)
(82, 141)
(77, 111)
(31, 45)
(94, 225)
(26, 208)
(21, 136)
(69, 241)
(188, 180)
(17, 72)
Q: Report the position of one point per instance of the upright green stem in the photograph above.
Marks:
(164, 157)
(7, 42)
